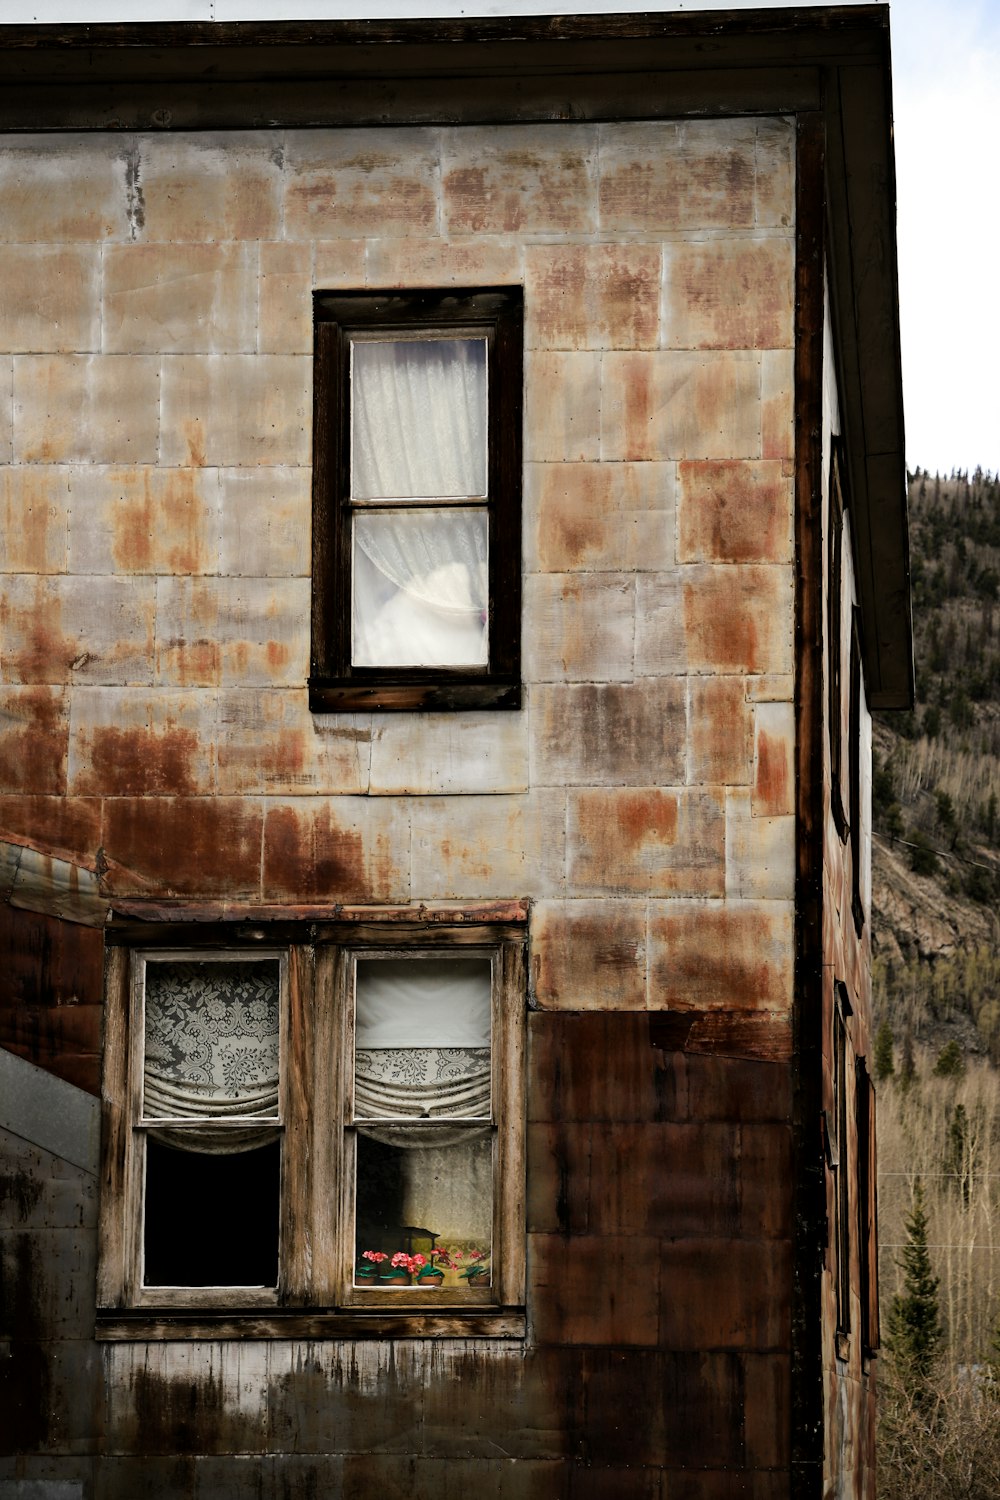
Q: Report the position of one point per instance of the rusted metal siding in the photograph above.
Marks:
(157, 628)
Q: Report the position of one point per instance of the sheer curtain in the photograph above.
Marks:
(418, 419)
(211, 1052)
(419, 434)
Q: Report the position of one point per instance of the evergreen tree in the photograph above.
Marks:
(950, 1062)
(884, 1064)
(914, 1331)
(907, 1065)
(956, 1159)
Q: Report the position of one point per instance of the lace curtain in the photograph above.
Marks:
(422, 1049)
(211, 1052)
(419, 433)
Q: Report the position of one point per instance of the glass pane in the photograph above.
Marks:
(211, 1220)
(422, 1039)
(426, 1206)
(418, 419)
(421, 589)
(211, 1039)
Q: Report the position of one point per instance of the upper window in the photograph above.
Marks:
(332, 1126)
(416, 500)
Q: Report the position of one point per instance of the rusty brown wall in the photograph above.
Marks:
(849, 1405)
(155, 412)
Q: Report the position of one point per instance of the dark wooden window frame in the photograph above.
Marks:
(857, 828)
(835, 633)
(315, 1295)
(334, 683)
(867, 1208)
(840, 1158)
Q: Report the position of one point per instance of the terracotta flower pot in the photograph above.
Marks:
(433, 1278)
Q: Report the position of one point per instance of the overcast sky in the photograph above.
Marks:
(946, 73)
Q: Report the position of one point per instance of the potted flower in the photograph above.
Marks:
(401, 1267)
(430, 1274)
(477, 1272)
(367, 1269)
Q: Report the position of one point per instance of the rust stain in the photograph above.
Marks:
(773, 771)
(140, 761)
(190, 663)
(183, 518)
(277, 655)
(158, 529)
(472, 197)
(194, 436)
(36, 648)
(639, 411)
(726, 633)
(65, 827)
(306, 854)
(736, 961)
(29, 538)
(645, 816)
(33, 748)
(182, 845)
(133, 527)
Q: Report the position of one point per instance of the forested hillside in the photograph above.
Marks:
(936, 938)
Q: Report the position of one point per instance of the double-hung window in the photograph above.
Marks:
(416, 500)
(315, 1128)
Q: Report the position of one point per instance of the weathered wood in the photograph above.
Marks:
(509, 1110)
(116, 1240)
(250, 1324)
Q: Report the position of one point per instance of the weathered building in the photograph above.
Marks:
(453, 536)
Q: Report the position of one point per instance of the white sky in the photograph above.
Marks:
(946, 55)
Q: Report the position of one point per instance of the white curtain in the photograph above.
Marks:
(211, 1052)
(422, 1048)
(421, 588)
(418, 419)
(419, 433)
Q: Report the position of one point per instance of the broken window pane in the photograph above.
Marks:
(211, 1220)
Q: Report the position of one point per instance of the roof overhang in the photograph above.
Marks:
(210, 76)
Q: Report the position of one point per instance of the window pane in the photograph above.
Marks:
(211, 1220)
(415, 1197)
(421, 589)
(418, 419)
(211, 1040)
(422, 1041)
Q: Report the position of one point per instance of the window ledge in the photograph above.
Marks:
(304, 1323)
(354, 695)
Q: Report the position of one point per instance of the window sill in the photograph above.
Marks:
(387, 695)
(304, 1323)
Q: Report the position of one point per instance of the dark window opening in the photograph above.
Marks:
(211, 1220)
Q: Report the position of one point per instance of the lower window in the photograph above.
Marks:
(330, 1125)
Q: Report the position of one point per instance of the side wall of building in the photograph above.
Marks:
(847, 1034)
(155, 449)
